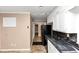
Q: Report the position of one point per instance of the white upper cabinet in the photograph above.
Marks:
(63, 21)
(50, 19)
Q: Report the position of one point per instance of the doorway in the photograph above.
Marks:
(37, 38)
(36, 29)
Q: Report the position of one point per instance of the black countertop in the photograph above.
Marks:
(62, 45)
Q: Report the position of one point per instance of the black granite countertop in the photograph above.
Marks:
(62, 45)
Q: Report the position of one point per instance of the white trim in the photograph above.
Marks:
(17, 12)
(15, 50)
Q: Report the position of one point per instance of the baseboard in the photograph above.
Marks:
(15, 50)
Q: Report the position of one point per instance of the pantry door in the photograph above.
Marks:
(15, 31)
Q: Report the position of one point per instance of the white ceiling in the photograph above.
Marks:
(38, 13)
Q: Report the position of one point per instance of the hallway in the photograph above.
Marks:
(37, 39)
(37, 46)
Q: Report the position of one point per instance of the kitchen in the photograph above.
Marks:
(39, 29)
(65, 31)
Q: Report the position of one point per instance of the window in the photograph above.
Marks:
(9, 21)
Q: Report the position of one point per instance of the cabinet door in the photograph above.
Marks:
(51, 48)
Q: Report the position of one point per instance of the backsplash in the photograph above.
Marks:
(63, 36)
(59, 35)
(73, 37)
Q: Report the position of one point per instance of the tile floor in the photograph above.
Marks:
(38, 49)
(37, 39)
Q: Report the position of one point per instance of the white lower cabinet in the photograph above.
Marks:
(51, 48)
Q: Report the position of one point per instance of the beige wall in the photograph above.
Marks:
(18, 37)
